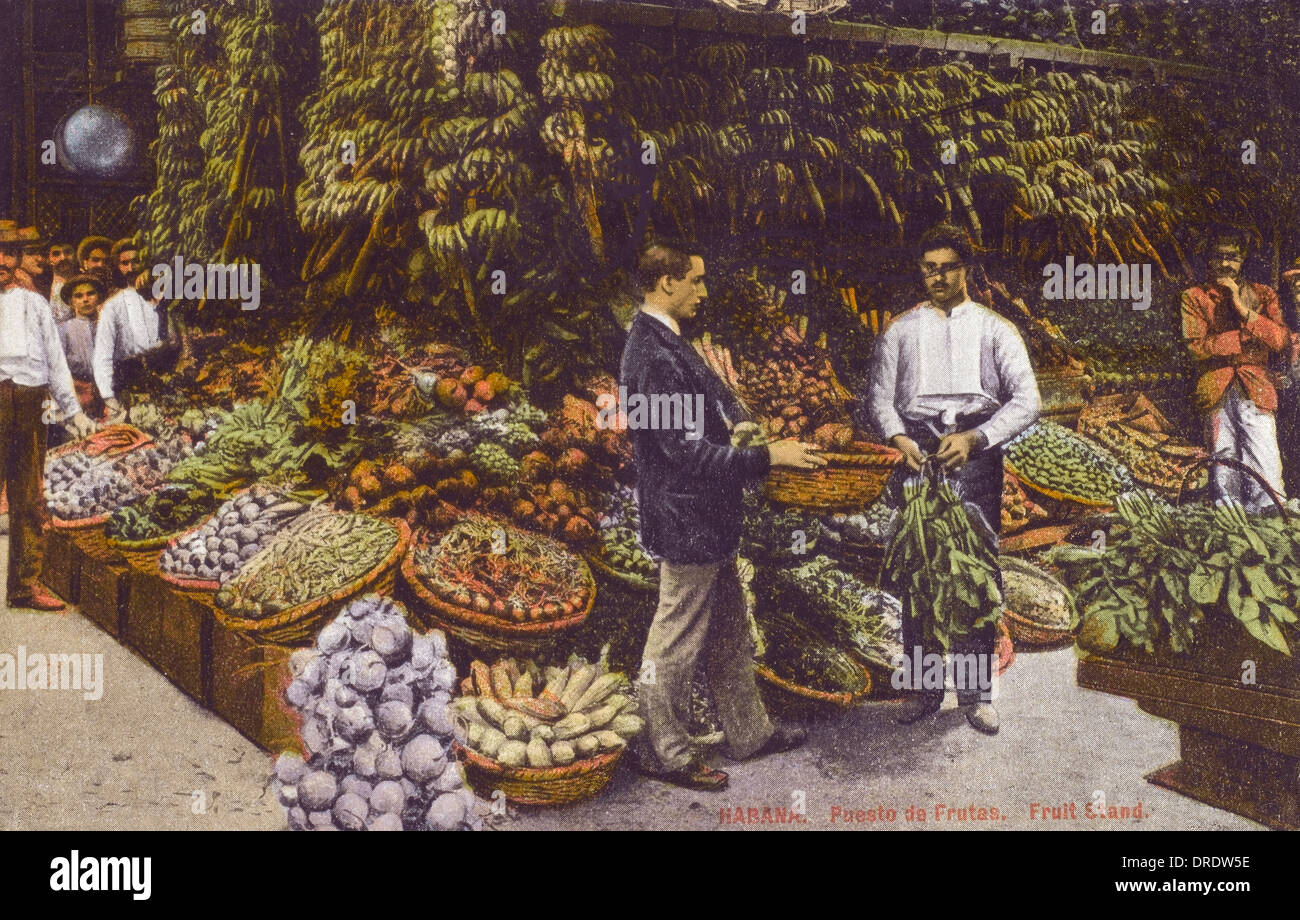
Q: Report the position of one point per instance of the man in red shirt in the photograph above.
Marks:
(1231, 327)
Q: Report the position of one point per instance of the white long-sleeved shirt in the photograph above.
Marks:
(39, 361)
(128, 326)
(923, 351)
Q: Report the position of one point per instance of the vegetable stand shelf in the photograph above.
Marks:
(1240, 742)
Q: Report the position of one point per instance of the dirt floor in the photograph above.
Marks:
(145, 756)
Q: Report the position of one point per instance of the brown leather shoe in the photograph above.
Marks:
(696, 776)
(39, 599)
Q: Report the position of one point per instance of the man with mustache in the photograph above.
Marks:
(951, 380)
(1231, 327)
(32, 369)
(63, 263)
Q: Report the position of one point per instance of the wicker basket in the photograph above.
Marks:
(58, 523)
(622, 618)
(484, 631)
(848, 481)
(299, 625)
(1069, 503)
(142, 554)
(580, 780)
(863, 560)
(792, 698)
(1036, 636)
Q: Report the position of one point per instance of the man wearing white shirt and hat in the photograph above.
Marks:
(32, 368)
(952, 379)
(131, 329)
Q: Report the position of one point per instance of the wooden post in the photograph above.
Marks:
(29, 110)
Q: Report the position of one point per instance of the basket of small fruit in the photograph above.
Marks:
(1067, 467)
(82, 491)
(551, 746)
(492, 585)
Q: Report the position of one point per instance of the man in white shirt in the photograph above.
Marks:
(129, 328)
(32, 369)
(952, 379)
(63, 262)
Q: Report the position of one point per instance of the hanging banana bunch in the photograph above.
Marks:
(381, 111)
(580, 126)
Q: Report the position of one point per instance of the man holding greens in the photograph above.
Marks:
(951, 379)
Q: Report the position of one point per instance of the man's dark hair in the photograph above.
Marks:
(11, 248)
(61, 241)
(126, 244)
(91, 243)
(946, 236)
(1228, 236)
(660, 258)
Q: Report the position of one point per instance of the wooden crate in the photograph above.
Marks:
(61, 565)
(1239, 743)
(248, 679)
(142, 627)
(104, 593)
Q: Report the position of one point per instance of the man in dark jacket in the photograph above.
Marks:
(689, 485)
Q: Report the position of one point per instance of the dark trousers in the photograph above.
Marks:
(22, 469)
(978, 483)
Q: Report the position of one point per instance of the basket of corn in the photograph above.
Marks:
(317, 564)
(496, 587)
(550, 746)
(849, 480)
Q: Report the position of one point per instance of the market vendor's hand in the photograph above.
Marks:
(81, 426)
(1234, 293)
(115, 410)
(796, 454)
(911, 450)
(955, 449)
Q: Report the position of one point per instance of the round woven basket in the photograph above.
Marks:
(1030, 635)
(790, 697)
(621, 617)
(299, 625)
(59, 523)
(848, 480)
(484, 631)
(863, 560)
(1083, 504)
(580, 780)
(142, 554)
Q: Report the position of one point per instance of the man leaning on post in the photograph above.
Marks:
(689, 488)
(32, 368)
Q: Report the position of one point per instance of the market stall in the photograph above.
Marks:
(386, 525)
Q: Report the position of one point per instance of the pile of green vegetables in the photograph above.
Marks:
(301, 428)
(169, 510)
(313, 556)
(798, 654)
(1051, 456)
(1166, 570)
(940, 567)
(864, 621)
(622, 552)
(775, 534)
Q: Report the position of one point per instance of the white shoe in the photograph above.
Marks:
(983, 718)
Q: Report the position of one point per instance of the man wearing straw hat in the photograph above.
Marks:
(1232, 327)
(951, 381)
(32, 369)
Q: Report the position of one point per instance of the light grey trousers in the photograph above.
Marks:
(701, 612)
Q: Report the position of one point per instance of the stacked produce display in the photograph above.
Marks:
(378, 728)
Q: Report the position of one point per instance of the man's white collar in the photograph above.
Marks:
(663, 318)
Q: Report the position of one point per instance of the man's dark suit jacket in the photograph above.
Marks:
(688, 490)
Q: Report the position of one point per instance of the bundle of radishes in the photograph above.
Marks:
(377, 728)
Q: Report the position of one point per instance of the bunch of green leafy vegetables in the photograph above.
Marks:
(1165, 570)
(940, 567)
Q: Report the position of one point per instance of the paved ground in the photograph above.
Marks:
(145, 756)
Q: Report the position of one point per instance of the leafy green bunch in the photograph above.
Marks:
(940, 567)
(1166, 570)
